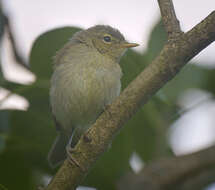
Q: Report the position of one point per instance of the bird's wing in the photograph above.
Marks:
(57, 124)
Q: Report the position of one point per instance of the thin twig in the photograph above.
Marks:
(19, 59)
(170, 21)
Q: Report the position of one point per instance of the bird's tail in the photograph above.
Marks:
(57, 153)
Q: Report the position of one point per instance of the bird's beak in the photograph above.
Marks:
(129, 45)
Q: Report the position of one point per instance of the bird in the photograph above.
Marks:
(86, 79)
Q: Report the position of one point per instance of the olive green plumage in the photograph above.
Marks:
(86, 78)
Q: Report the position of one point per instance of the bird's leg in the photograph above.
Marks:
(70, 151)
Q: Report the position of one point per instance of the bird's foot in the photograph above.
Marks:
(70, 151)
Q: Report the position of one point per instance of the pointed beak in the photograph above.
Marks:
(129, 45)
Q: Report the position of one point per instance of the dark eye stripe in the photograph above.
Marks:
(107, 38)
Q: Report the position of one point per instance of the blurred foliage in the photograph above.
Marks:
(26, 136)
(2, 29)
(2, 23)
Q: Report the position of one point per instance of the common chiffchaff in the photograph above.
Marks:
(86, 78)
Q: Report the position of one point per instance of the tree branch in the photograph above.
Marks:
(171, 172)
(169, 18)
(175, 54)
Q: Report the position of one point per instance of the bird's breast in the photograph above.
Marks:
(79, 92)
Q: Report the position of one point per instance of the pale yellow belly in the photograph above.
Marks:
(78, 98)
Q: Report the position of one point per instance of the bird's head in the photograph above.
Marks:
(106, 40)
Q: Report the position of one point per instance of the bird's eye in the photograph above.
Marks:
(107, 38)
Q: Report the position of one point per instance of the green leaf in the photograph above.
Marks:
(156, 41)
(27, 144)
(209, 81)
(191, 76)
(2, 187)
(4, 128)
(132, 64)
